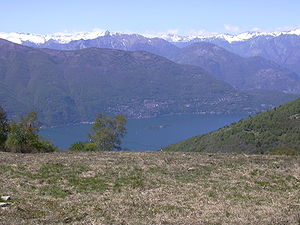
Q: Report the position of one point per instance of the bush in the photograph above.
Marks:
(44, 146)
(23, 137)
(33, 144)
(284, 150)
(83, 146)
(90, 146)
(4, 127)
(78, 146)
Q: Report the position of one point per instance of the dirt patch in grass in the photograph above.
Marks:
(149, 188)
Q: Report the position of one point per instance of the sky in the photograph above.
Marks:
(148, 16)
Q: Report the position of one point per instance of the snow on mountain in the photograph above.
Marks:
(296, 31)
(228, 37)
(248, 35)
(19, 38)
(62, 38)
(170, 37)
(65, 38)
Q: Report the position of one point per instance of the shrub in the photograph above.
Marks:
(4, 127)
(90, 146)
(78, 146)
(44, 146)
(83, 146)
(284, 150)
(23, 137)
(28, 144)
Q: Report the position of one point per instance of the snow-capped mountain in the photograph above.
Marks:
(241, 72)
(226, 37)
(67, 37)
(64, 38)
(98, 39)
(249, 35)
(280, 47)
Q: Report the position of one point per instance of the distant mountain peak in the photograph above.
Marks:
(62, 38)
(66, 37)
(227, 37)
(248, 35)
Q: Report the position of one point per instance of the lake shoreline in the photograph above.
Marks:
(146, 134)
(149, 117)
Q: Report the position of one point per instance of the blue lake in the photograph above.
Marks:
(146, 134)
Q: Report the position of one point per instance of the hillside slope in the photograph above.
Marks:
(246, 73)
(264, 133)
(128, 42)
(282, 49)
(241, 72)
(73, 86)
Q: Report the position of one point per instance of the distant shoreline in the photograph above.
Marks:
(149, 117)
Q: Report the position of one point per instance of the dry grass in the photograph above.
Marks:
(149, 188)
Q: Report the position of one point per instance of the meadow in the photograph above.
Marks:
(149, 188)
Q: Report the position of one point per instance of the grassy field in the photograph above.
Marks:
(149, 188)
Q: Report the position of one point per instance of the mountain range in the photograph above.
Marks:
(73, 86)
(283, 48)
(64, 38)
(253, 60)
(242, 72)
(280, 47)
(129, 42)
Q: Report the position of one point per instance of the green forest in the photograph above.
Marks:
(275, 131)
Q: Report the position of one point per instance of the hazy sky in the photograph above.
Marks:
(148, 16)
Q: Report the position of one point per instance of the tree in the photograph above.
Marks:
(4, 127)
(106, 133)
(23, 136)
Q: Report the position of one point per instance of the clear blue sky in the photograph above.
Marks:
(50, 16)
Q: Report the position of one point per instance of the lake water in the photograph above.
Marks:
(147, 134)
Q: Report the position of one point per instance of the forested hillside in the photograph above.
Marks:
(73, 86)
(275, 131)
